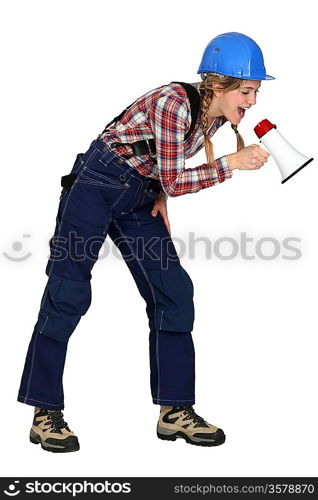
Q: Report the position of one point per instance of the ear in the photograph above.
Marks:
(216, 92)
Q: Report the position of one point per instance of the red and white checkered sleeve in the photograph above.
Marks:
(170, 119)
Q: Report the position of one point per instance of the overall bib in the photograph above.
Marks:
(108, 197)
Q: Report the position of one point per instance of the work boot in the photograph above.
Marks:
(182, 422)
(50, 429)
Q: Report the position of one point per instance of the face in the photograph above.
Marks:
(231, 104)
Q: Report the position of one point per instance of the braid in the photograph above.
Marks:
(239, 139)
(205, 104)
(206, 88)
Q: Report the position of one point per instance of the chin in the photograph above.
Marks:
(236, 120)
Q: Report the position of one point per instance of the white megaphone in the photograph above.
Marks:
(289, 161)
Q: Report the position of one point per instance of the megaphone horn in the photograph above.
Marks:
(287, 158)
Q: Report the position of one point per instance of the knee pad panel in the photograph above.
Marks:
(63, 303)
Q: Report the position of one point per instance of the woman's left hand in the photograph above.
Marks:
(160, 205)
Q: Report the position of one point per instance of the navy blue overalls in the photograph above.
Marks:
(109, 197)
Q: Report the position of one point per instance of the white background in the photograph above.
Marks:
(67, 69)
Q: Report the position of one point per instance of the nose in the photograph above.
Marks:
(252, 100)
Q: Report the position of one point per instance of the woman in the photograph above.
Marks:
(119, 187)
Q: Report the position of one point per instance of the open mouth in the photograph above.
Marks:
(241, 112)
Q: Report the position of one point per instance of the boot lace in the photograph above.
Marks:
(57, 421)
(192, 415)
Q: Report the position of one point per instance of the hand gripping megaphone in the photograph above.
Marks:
(288, 160)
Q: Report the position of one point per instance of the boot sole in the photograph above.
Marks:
(36, 439)
(167, 435)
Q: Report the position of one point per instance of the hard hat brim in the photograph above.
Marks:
(247, 77)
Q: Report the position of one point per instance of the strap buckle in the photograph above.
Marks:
(109, 147)
(142, 147)
(151, 153)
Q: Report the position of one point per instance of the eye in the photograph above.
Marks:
(246, 93)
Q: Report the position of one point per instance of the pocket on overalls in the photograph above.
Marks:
(85, 207)
(173, 289)
(89, 176)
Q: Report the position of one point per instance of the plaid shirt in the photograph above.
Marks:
(164, 114)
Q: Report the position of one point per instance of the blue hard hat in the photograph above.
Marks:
(234, 54)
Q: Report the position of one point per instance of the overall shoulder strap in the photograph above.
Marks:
(118, 117)
(194, 98)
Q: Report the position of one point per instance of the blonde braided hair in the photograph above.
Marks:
(206, 88)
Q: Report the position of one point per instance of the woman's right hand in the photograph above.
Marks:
(249, 158)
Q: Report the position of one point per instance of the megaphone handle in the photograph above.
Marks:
(263, 146)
